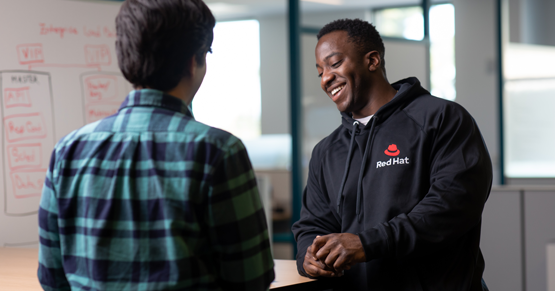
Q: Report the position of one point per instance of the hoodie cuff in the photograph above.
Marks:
(375, 243)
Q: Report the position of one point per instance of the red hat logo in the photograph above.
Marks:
(392, 150)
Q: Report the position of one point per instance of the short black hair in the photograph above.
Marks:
(156, 40)
(361, 33)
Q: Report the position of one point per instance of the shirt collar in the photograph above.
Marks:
(152, 97)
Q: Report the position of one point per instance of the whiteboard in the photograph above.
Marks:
(58, 72)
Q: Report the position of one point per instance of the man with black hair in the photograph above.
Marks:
(149, 198)
(395, 194)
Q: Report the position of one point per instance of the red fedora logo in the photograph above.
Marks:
(392, 150)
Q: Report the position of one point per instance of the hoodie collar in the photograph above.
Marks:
(408, 89)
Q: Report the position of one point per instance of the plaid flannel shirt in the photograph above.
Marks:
(150, 199)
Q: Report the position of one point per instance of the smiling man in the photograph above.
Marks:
(395, 195)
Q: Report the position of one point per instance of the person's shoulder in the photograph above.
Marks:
(428, 110)
(78, 134)
(426, 103)
(203, 133)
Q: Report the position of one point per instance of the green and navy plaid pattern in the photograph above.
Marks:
(150, 199)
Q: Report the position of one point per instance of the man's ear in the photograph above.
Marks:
(373, 60)
(193, 66)
(197, 68)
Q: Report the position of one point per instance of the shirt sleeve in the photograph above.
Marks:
(50, 273)
(237, 223)
(460, 182)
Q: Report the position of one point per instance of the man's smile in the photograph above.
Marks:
(336, 90)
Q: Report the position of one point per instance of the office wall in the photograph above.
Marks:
(274, 74)
(533, 21)
(476, 61)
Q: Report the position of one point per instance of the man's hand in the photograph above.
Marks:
(337, 251)
(316, 268)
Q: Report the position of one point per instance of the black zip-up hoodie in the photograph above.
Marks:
(412, 184)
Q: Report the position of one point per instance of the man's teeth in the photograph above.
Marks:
(336, 90)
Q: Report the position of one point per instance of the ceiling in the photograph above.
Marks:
(241, 9)
(229, 9)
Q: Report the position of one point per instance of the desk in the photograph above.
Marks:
(18, 269)
(288, 278)
(18, 272)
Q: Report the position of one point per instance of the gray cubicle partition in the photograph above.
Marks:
(501, 241)
(551, 265)
(517, 224)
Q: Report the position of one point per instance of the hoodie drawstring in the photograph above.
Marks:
(369, 143)
(347, 164)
